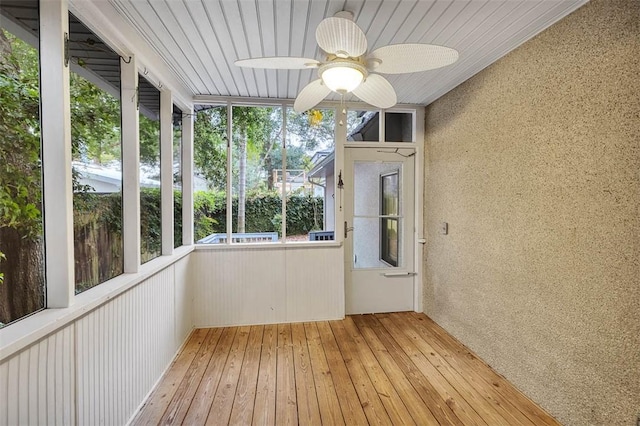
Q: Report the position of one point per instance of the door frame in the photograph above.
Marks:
(421, 160)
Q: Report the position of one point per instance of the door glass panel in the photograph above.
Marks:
(377, 220)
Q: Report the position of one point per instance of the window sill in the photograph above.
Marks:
(24, 332)
(269, 246)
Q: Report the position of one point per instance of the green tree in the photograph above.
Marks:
(255, 131)
(22, 291)
(210, 146)
(95, 114)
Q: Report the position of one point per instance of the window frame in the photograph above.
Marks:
(284, 105)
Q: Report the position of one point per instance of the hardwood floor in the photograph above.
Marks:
(392, 369)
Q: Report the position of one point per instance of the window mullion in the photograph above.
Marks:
(130, 165)
(56, 154)
(187, 178)
(166, 170)
(229, 173)
(283, 193)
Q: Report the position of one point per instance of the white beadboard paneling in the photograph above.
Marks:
(315, 284)
(183, 300)
(237, 287)
(267, 285)
(37, 385)
(122, 349)
(98, 368)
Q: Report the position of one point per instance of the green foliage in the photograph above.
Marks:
(150, 222)
(149, 141)
(177, 217)
(263, 213)
(95, 119)
(209, 213)
(210, 146)
(20, 181)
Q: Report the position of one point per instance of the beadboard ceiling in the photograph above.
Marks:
(200, 39)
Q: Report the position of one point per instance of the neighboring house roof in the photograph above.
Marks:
(324, 166)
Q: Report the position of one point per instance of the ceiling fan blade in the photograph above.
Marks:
(341, 37)
(405, 58)
(278, 63)
(312, 94)
(377, 91)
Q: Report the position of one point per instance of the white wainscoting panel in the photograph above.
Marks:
(123, 348)
(37, 385)
(97, 369)
(238, 286)
(183, 300)
(315, 283)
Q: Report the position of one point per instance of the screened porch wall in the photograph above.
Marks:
(100, 367)
(266, 285)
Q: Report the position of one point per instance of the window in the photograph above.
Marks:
(210, 174)
(150, 199)
(268, 182)
(96, 155)
(363, 126)
(177, 176)
(398, 127)
(257, 179)
(310, 175)
(22, 272)
(389, 213)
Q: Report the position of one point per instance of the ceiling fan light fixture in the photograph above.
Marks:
(342, 77)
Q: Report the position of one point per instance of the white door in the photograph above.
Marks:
(379, 230)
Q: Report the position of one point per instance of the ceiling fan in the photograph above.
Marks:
(349, 68)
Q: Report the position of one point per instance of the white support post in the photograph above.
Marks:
(420, 171)
(283, 191)
(130, 165)
(341, 138)
(166, 170)
(56, 153)
(187, 178)
(229, 173)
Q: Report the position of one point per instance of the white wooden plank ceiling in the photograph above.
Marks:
(200, 39)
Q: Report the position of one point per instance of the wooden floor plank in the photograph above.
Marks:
(308, 410)
(391, 400)
(243, 403)
(399, 368)
(286, 404)
(420, 411)
(446, 380)
(159, 400)
(444, 407)
(369, 398)
(328, 403)
(177, 409)
(264, 409)
(471, 362)
(432, 348)
(347, 396)
(220, 411)
(203, 398)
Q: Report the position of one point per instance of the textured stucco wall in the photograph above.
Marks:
(535, 165)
